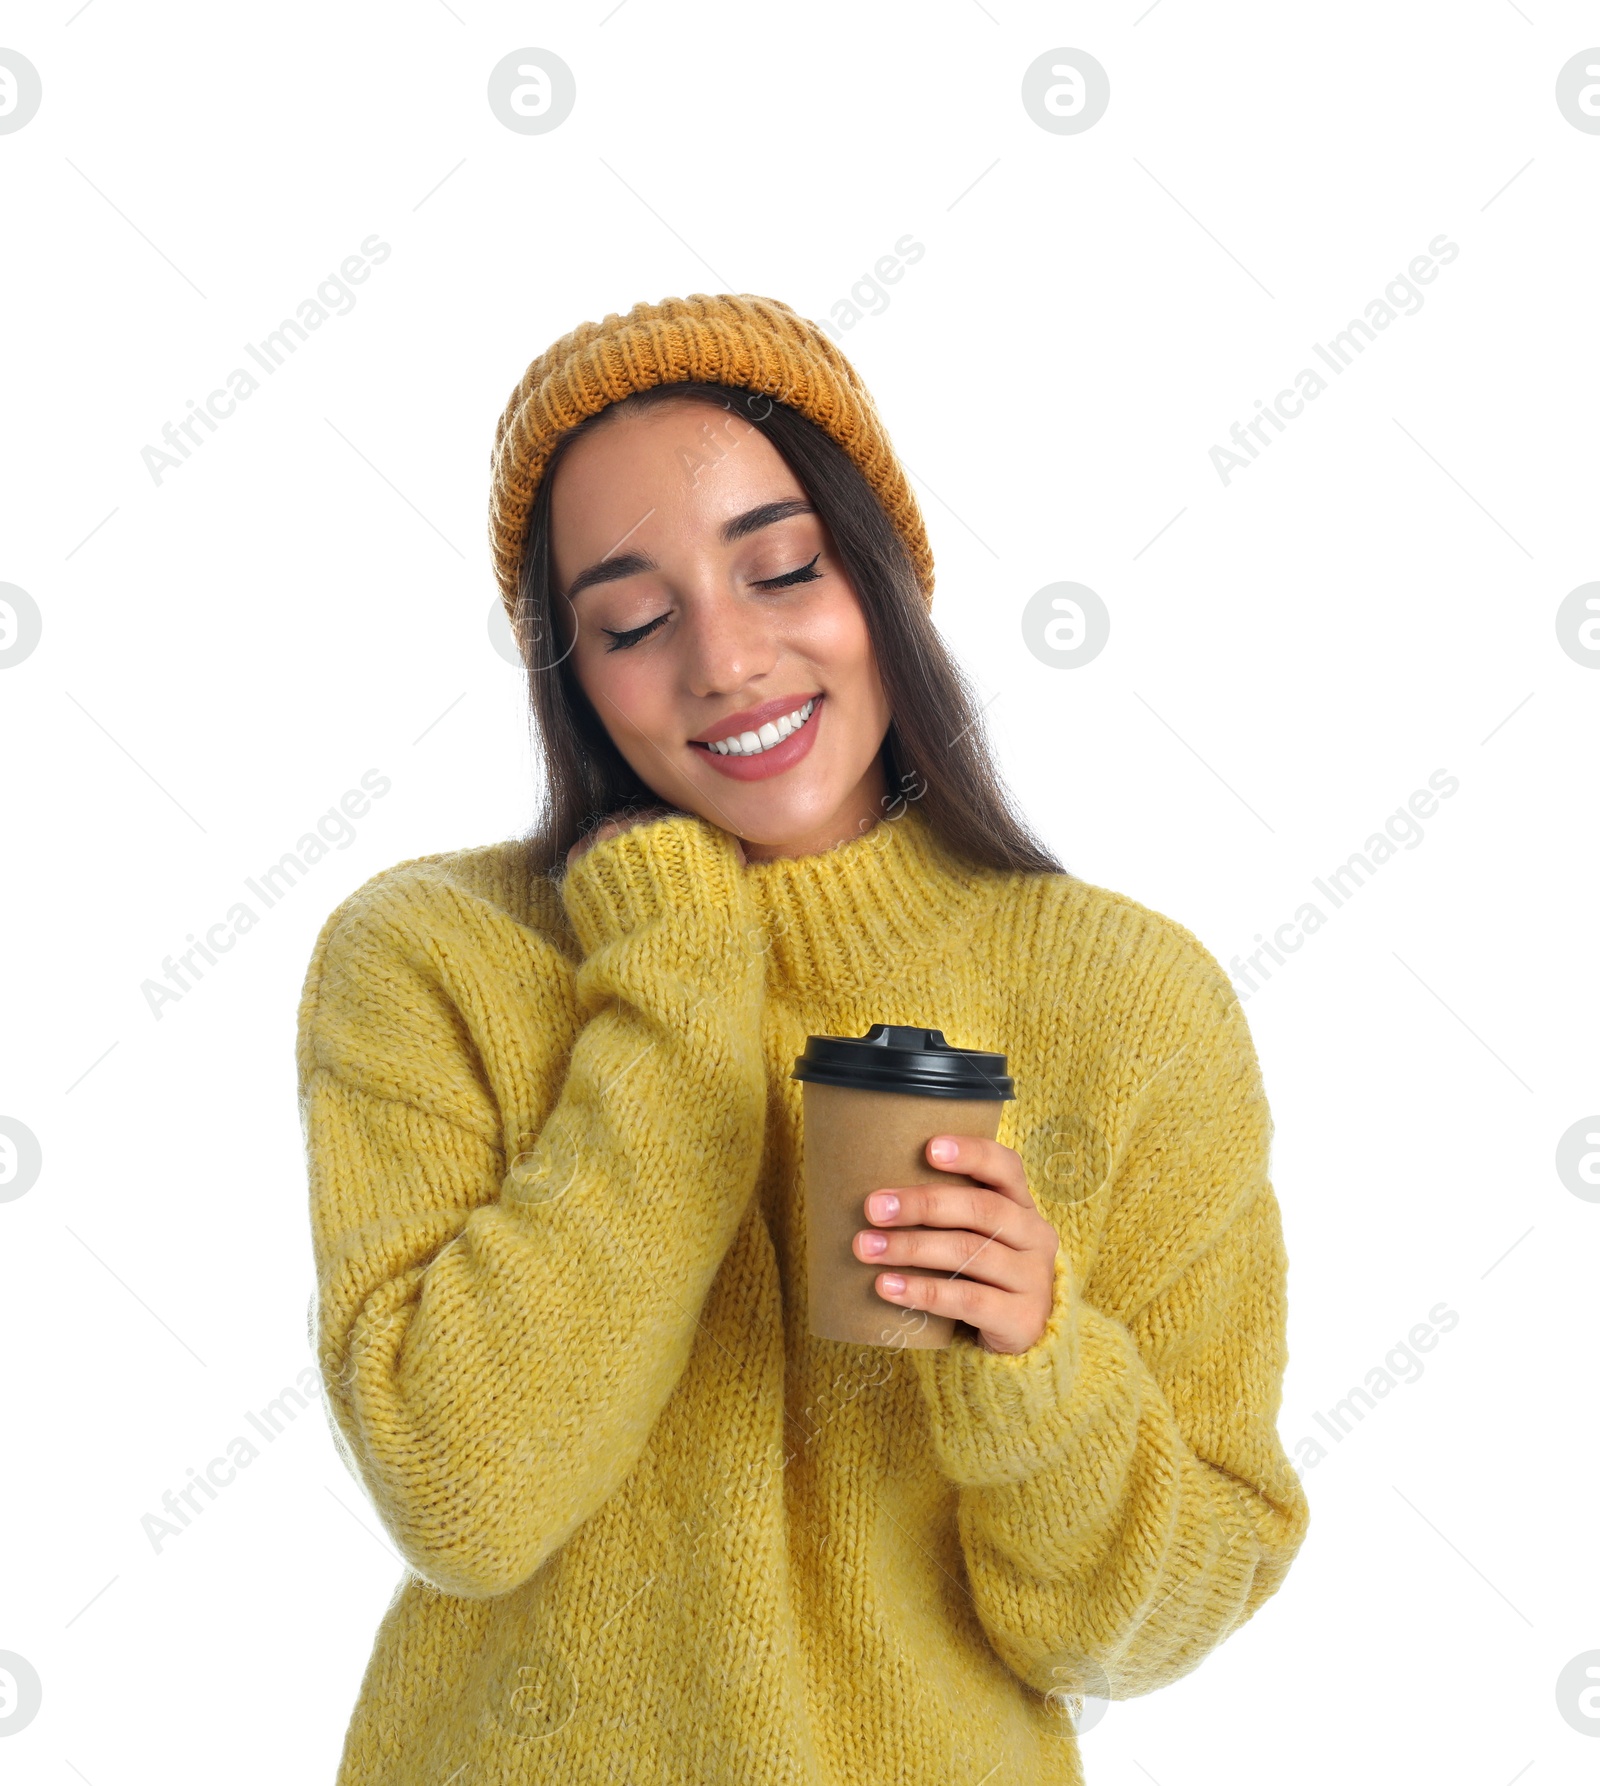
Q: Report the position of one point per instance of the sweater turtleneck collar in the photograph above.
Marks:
(852, 912)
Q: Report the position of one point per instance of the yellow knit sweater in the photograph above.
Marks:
(657, 1533)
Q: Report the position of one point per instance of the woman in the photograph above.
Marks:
(656, 1531)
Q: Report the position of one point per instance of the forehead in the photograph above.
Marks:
(692, 461)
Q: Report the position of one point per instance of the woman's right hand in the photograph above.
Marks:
(624, 821)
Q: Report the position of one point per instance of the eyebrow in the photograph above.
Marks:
(629, 564)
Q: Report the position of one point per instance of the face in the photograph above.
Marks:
(703, 602)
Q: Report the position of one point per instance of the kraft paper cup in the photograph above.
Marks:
(861, 1138)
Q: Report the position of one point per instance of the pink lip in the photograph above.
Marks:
(768, 762)
(753, 718)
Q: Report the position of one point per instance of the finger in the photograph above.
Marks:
(963, 1299)
(951, 1251)
(953, 1206)
(987, 1161)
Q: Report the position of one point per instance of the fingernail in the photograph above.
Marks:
(874, 1244)
(943, 1149)
(884, 1205)
(894, 1283)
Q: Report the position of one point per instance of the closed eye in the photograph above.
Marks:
(620, 641)
(806, 574)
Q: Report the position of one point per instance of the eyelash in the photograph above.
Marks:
(621, 641)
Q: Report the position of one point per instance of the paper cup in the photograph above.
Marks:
(862, 1137)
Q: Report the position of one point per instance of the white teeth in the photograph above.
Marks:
(747, 744)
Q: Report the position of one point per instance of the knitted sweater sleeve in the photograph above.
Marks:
(1124, 1502)
(495, 1345)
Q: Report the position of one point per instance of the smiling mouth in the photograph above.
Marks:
(766, 737)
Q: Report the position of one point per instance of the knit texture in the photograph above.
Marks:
(654, 1531)
(758, 343)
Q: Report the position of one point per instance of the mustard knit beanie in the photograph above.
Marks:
(759, 343)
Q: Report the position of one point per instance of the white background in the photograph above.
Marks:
(309, 596)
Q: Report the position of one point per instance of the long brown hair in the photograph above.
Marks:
(935, 749)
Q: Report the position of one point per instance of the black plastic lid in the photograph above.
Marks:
(903, 1057)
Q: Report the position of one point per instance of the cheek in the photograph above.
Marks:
(834, 636)
(623, 691)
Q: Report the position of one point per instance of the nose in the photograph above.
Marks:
(728, 641)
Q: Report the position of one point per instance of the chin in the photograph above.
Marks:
(762, 816)
(760, 824)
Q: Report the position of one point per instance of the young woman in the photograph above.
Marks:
(655, 1531)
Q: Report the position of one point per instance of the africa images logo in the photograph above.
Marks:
(1400, 297)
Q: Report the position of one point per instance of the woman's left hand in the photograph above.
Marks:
(995, 1251)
